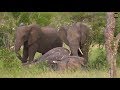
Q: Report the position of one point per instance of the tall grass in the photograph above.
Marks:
(97, 58)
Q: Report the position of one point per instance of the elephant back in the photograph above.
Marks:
(49, 30)
(54, 54)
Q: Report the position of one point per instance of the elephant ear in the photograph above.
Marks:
(63, 34)
(33, 34)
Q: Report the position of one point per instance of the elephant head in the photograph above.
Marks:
(25, 35)
(71, 37)
(70, 62)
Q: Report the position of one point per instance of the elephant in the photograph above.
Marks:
(54, 54)
(34, 39)
(70, 63)
(77, 37)
(59, 59)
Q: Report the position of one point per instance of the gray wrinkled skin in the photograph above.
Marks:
(59, 59)
(57, 53)
(68, 62)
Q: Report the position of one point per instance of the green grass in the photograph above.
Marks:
(35, 73)
(11, 67)
(38, 73)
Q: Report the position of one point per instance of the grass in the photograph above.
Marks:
(38, 73)
(11, 67)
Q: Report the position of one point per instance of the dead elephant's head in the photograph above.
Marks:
(70, 62)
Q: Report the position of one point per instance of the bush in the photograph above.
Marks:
(43, 66)
(8, 60)
(24, 18)
(97, 58)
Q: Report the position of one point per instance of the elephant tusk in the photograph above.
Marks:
(70, 52)
(54, 62)
(80, 51)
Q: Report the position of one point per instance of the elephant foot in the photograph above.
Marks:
(35, 60)
(25, 64)
(24, 61)
(31, 62)
(28, 64)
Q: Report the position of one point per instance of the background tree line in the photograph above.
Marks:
(10, 20)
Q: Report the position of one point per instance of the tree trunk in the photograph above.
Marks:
(111, 44)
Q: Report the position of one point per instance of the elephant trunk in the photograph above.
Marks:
(17, 49)
(74, 47)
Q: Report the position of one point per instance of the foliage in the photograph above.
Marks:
(8, 59)
(97, 58)
(10, 20)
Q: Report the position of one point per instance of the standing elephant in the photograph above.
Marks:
(76, 37)
(35, 39)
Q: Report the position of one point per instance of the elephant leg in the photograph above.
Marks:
(25, 53)
(32, 51)
(85, 50)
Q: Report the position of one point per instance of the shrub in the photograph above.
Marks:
(8, 59)
(97, 58)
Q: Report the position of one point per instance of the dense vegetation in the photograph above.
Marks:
(10, 20)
